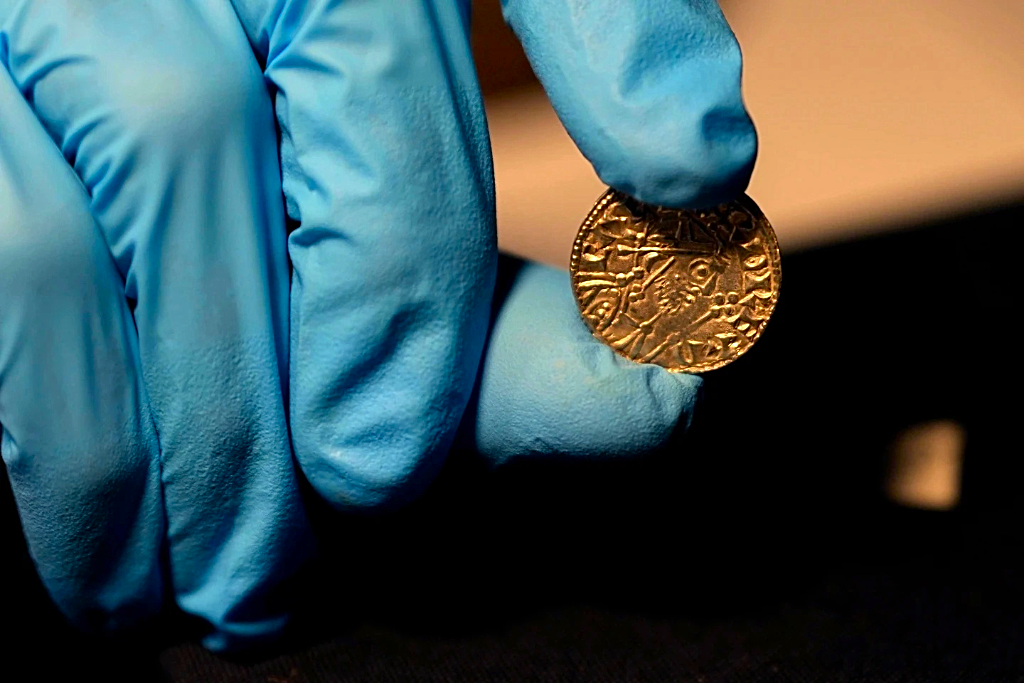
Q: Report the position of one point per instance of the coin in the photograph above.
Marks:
(689, 290)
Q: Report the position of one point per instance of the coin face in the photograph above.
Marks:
(689, 290)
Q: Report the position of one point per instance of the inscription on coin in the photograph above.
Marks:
(688, 290)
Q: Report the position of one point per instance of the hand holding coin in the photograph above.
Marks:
(298, 281)
(690, 290)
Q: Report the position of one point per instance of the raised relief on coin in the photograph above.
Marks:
(685, 289)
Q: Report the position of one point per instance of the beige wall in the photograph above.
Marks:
(872, 114)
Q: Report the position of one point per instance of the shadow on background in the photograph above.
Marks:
(758, 546)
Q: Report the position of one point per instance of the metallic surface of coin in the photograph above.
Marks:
(685, 289)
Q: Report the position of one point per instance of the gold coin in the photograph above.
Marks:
(689, 290)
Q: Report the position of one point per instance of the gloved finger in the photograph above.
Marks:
(387, 171)
(648, 89)
(549, 388)
(163, 112)
(77, 437)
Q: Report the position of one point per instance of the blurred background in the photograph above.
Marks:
(871, 115)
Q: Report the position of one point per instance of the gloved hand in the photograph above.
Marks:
(146, 352)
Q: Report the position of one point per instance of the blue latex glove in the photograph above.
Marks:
(143, 329)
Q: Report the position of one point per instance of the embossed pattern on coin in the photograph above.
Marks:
(688, 290)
